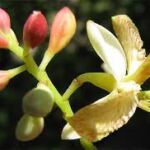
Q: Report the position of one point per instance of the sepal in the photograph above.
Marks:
(99, 79)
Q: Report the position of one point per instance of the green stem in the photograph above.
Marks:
(87, 145)
(96, 78)
(71, 89)
(17, 50)
(46, 59)
(16, 71)
(42, 76)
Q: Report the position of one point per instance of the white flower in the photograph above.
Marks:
(126, 69)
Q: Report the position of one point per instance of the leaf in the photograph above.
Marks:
(130, 39)
(104, 116)
(108, 49)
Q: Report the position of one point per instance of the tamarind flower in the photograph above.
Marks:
(125, 62)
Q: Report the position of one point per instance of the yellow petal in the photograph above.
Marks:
(106, 115)
(130, 39)
(142, 73)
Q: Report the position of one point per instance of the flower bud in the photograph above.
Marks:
(29, 128)
(3, 42)
(62, 30)
(4, 21)
(4, 28)
(35, 29)
(38, 102)
(4, 79)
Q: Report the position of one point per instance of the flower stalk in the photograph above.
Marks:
(42, 77)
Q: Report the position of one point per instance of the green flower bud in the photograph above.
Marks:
(38, 102)
(29, 127)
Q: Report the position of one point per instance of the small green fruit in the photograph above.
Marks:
(29, 127)
(38, 102)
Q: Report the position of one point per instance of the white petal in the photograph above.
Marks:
(108, 48)
(69, 133)
(106, 68)
(106, 115)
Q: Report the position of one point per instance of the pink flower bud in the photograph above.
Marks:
(3, 42)
(62, 30)
(4, 28)
(4, 79)
(4, 21)
(35, 29)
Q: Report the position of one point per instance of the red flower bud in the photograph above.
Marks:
(4, 21)
(4, 79)
(62, 30)
(35, 29)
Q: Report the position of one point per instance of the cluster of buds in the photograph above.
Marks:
(38, 102)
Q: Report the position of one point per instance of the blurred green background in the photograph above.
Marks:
(78, 57)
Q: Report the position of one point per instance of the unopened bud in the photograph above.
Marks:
(28, 128)
(38, 102)
(4, 79)
(4, 21)
(62, 30)
(3, 42)
(35, 29)
(4, 28)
